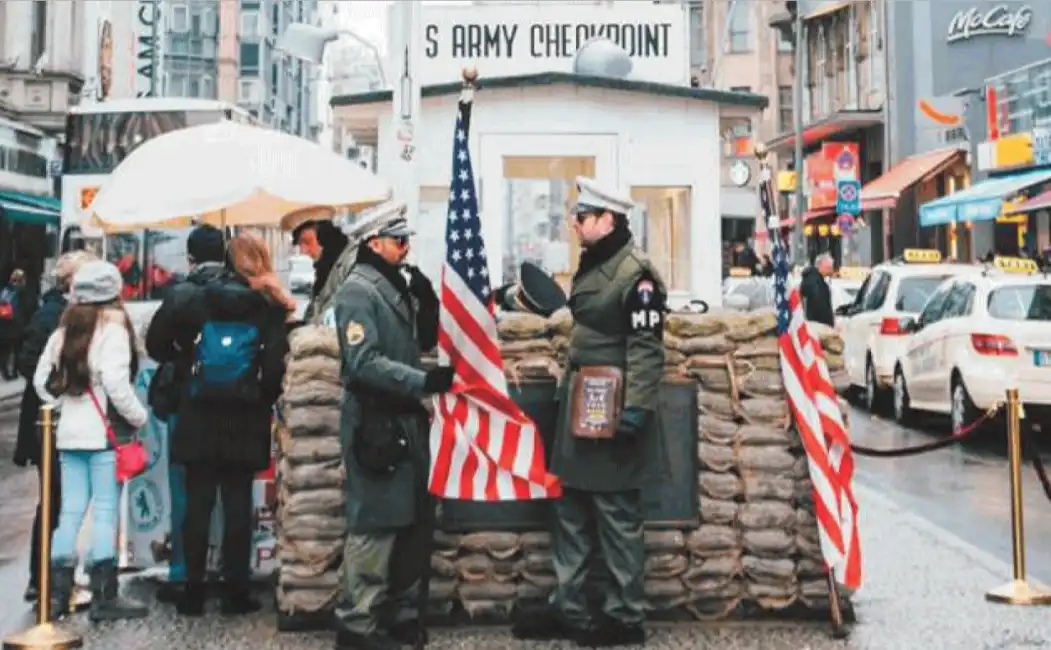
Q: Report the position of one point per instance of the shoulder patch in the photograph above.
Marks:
(646, 306)
(354, 333)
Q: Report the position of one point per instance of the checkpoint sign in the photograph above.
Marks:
(848, 196)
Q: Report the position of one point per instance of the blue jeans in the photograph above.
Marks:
(88, 478)
(177, 491)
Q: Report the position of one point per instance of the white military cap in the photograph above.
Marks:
(592, 197)
(385, 220)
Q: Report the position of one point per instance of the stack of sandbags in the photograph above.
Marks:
(311, 522)
(526, 347)
(488, 567)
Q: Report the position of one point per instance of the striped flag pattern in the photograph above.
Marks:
(483, 447)
(817, 418)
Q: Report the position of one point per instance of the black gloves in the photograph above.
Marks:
(632, 424)
(420, 286)
(500, 295)
(438, 380)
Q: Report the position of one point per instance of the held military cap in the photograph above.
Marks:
(592, 197)
(385, 220)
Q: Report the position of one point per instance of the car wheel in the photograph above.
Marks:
(902, 408)
(962, 412)
(872, 390)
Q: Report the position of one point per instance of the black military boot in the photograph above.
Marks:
(406, 632)
(238, 600)
(611, 634)
(62, 581)
(543, 625)
(106, 603)
(376, 641)
(191, 603)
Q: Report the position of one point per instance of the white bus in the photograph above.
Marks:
(98, 138)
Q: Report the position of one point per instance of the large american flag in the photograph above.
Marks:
(816, 414)
(483, 447)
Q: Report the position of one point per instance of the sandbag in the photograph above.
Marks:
(719, 458)
(526, 348)
(446, 544)
(764, 410)
(313, 527)
(757, 515)
(442, 589)
(711, 540)
(534, 541)
(769, 543)
(706, 345)
(496, 544)
(665, 565)
(686, 326)
(711, 572)
(759, 323)
(488, 599)
(759, 487)
(311, 476)
(717, 511)
(527, 591)
(719, 485)
(443, 567)
(314, 368)
(781, 571)
(320, 554)
(537, 563)
(561, 323)
(715, 404)
(717, 430)
(763, 434)
(760, 383)
(711, 379)
(673, 358)
(479, 567)
(765, 348)
(531, 368)
(313, 340)
(662, 595)
(300, 575)
(664, 541)
(520, 326)
(294, 601)
(313, 421)
(312, 450)
(311, 393)
(766, 460)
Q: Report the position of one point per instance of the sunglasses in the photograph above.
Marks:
(401, 241)
(583, 216)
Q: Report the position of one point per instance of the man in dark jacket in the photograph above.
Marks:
(816, 294)
(383, 321)
(222, 442)
(14, 312)
(27, 447)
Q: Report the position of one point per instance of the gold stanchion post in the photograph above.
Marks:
(1018, 591)
(44, 635)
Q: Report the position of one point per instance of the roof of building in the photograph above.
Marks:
(555, 78)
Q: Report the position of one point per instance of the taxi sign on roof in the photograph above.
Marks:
(854, 272)
(740, 272)
(1015, 264)
(921, 256)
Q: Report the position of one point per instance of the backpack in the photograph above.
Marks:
(226, 363)
(7, 304)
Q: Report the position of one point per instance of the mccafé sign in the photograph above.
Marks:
(1000, 20)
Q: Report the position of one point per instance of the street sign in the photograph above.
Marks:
(1041, 145)
(848, 196)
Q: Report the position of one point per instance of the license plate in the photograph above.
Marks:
(1042, 357)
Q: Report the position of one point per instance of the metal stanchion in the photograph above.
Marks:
(44, 635)
(1018, 591)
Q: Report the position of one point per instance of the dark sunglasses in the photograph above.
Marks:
(401, 241)
(583, 216)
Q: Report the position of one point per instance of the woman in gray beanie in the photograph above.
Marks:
(86, 370)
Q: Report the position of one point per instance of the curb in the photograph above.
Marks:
(986, 560)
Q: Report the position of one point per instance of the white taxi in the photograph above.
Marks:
(873, 339)
(976, 337)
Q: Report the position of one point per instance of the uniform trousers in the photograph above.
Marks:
(609, 522)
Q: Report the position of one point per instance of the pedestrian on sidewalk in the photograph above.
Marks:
(86, 371)
(232, 340)
(13, 312)
(27, 447)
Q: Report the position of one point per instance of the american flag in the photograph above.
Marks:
(816, 414)
(483, 447)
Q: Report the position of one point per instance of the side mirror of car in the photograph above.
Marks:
(844, 310)
(909, 324)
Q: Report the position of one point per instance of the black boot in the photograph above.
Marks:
(31, 593)
(106, 602)
(62, 580)
(407, 632)
(375, 641)
(238, 600)
(543, 625)
(611, 634)
(191, 603)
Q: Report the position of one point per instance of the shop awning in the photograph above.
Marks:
(26, 208)
(1038, 202)
(885, 191)
(827, 128)
(981, 202)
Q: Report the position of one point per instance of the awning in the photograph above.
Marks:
(826, 128)
(26, 208)
(885, 191)
(829, 8)
(981, 202)
(1038, 202)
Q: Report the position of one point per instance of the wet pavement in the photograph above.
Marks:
(936, 533)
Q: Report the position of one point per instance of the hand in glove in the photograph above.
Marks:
(438, 380)
(632, 424)
(420, 285)
(500, 295)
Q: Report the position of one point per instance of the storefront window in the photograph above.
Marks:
(662, 226)
(538, 194)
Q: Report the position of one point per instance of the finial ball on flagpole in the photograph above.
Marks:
(470, 74)
(760, 151)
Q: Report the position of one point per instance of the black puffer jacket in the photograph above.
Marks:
(237, 435)
(817, 297)
(41, 326)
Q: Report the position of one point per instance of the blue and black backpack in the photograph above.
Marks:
(226, 362)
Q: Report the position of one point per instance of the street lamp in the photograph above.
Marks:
(308, 42)
(790, 25)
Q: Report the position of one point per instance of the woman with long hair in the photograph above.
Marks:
(250, 256)
(85, 371)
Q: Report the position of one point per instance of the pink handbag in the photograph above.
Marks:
(131, 457)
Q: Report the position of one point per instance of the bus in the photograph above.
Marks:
(98, 138)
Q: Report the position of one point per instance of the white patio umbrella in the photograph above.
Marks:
(230, 174)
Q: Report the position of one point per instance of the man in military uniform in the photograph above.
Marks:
(608, 409)
(385, 314)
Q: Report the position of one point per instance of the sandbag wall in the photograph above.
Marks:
(756, 547)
